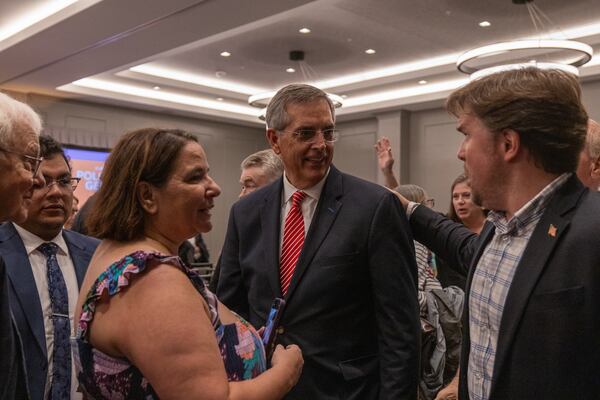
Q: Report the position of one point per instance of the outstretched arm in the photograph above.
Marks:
(385, 160)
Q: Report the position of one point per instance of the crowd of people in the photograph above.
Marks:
(381, 296)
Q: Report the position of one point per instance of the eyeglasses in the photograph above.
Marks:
(309, 135)
(429, 203)
(62, 183)
(31, 163)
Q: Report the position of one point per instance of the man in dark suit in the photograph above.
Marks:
(338, 250)
(20, 127)
(45, 266)
(531, 316)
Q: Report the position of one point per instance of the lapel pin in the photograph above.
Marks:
(552, 230)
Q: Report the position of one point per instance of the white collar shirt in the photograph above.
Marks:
(40, 275)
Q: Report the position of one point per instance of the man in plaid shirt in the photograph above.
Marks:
(532, 313)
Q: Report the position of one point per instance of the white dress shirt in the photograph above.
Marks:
(40, 274)
(309, 204)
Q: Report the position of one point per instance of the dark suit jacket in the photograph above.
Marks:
(25, 301)
(549, 337)
(13, 381)
(352, 303)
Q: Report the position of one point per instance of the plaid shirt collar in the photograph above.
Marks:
(531, 211)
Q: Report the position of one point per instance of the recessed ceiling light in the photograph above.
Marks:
(290, 70)
(225, 54)
(485, 24)
(370, 51)
(344, 96)
(156, 88)
(219, 99)
(304, 30)
(422, 82)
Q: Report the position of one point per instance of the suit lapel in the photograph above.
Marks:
(79, 253)
(325, 214)
(547, 234)
(270, 216)
(22, 281)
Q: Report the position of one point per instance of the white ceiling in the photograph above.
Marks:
(124, 49)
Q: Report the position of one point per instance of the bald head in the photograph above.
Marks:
(588, 169)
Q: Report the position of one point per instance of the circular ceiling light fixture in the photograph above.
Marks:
(290, 70)
(485, 24)
(507, 67)
(370, 51)
(545, 52)
(225, 54)
(304, 30)
(583, 52)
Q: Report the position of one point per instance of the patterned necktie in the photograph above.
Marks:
(293, 240)
(59, 299)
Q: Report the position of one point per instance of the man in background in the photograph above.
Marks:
(20, 127)
(338, 250)
(259, 169)
(588, 170)
(45, 266)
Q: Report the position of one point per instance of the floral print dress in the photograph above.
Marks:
(105, 377)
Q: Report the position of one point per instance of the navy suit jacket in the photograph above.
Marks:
(352, 302)
(549, 341)
(13, 381)
(25, 301)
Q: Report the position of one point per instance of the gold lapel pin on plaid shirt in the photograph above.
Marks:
(552, 230)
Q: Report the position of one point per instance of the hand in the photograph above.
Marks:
(261, 332)
(385, 159)
(450, 392)
(290, 360)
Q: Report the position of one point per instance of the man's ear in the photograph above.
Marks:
(596, 168)
(511, 144)
(273, 139)
(146, 197)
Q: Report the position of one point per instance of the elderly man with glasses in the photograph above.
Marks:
(45, 266)
(338, 250)
(20, 127)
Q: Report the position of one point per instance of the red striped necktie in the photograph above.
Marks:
(293, 240)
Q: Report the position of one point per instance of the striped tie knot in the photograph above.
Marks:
(297, 198)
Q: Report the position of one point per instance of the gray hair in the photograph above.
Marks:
(277, 117)
(412, 193)
(15, 115)
(267, 160)
(592, 139)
